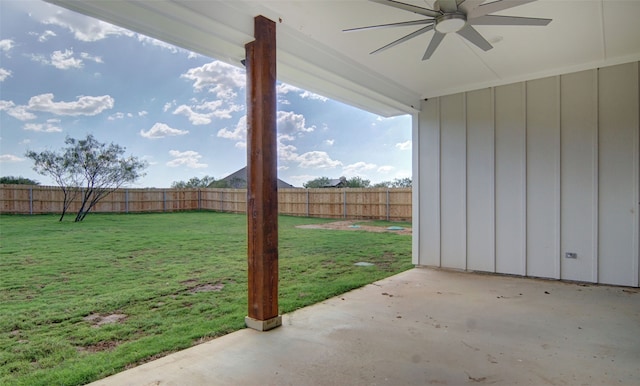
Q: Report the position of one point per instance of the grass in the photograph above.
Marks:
(174, 280)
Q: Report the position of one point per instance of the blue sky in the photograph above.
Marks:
(64, 74)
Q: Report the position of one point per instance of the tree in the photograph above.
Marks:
(382, 184)
(357, 182)
(397, 183)
(58, 167)
(194, 182)
(402, 183)
(319, 182)
(18, 181)
(87, 168)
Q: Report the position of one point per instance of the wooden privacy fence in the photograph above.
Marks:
(374, 203)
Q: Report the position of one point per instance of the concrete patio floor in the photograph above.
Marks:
(428, 327)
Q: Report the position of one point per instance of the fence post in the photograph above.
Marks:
(307, 202)
(126, 200)
(344, 200)
(31, 200)
(199, 199)
(388, 206)
(164, 200)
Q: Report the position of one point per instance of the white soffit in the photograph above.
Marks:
(314, 53)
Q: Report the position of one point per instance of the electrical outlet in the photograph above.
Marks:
(570, 255)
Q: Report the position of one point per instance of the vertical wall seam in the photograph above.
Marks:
(636, 165)
(596, 181)
(415, 191)
(439, 206)
(465, 190)
(416, 252)
(493, 182)
(523, 181)
(558, 198)
(603, 35)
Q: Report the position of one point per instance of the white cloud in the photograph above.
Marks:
(18, 112)
(317, 160)
(287, 152)
(87, 56)
(329, 142)
(39, 59)
(207, 110)
(312, 96)
(167, 106)
(115, 116)
(158, 43)
(358, 168)
(10, 158)
(85, 105)
(46, 35)
(6, 45)
(142, 113)
(238, 134)
(161, 130)
(187, 158)
(284, 89)
(216, 109)
(194, 118)
(4, 74)
(65, 60)
(386, 169)
(48, 127)
(404, 145)
(84, 28)
(291, 123)
(217, 77)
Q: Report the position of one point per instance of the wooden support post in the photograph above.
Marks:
(262, 188)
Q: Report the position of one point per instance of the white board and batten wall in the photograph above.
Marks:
(512, 178)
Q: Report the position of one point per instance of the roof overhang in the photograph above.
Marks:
(314, 53)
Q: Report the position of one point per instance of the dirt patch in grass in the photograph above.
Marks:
(193, 286)
(98, 320)
(207, 288)
(355, 225)
(100, 346)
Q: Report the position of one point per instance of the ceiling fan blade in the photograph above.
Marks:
(470, 33)
(508, 20)
(401, 24)
(495, 6)
(404, 38)
(448, 5)
(409, 7)
(435, 42)
(468, 5)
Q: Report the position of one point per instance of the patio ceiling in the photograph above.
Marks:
(314, 53)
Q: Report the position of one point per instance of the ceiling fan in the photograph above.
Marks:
(457, 16)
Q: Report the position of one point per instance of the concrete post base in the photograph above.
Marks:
(263, 325)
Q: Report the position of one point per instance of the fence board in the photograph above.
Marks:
(374, 203)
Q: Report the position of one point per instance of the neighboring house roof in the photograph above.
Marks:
(336, 183)
(238, 180)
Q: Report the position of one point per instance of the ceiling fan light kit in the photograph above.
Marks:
(449, 16)
(448, 23)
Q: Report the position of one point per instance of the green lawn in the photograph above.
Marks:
(168, 280)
